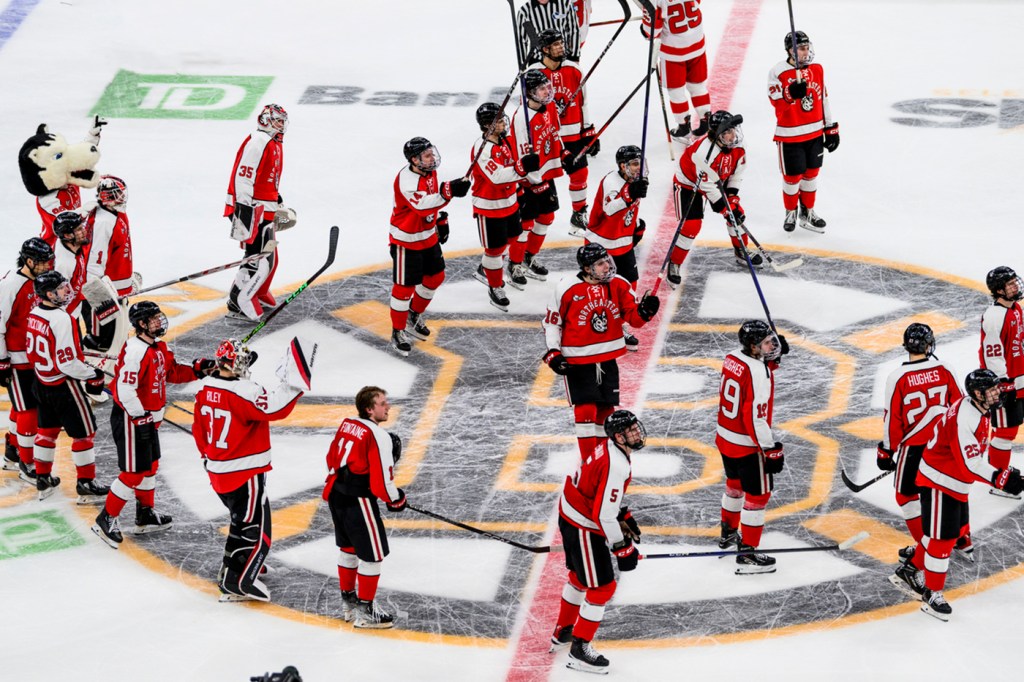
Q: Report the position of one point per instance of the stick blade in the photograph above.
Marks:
(846, 544)
(849, 483)
(332, 245)
(791, 265)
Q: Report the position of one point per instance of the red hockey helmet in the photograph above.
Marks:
(234, 357)
(273, 119)
(112, 192)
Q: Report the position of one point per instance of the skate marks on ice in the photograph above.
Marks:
(488, 441)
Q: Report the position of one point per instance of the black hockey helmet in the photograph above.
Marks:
(721, 122)
(627, 153)
(415, 147)
(801, 39)
(981, 380)
(621, 421)
(919, 339)
(549, 37)
(486, 114)
(65, 224)
(752, 334)
(588, 254)
(143, 311)
(533, 79)
(999, 277)
(48, 281)
(35, 249)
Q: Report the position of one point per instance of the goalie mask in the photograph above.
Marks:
(235, 358)
(273, 120)
(759, 341)
(422, 155)
(626, 423)
(112, 193)
(147, 318)
(54, 288)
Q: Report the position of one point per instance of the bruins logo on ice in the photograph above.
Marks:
(488, 441)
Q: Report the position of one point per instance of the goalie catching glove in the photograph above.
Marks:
(296, 367)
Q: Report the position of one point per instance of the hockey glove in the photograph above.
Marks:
(557, 362)
(203, 367)
(648, 306)
(832, 137)
(588, 134)
(783, 344)
(634, 190)
(774, 459)
(638, 233)
(5, 371)
(399, 504)
(569, 163)
(626, 555)
(105, 311)
(737, 211)
(455, 188)
(528, 164)
(884, 459)
(94, 386)
(442, 227)
(145, 429)
(1008, 480)
(396, 447)
(797, 90)
(630, 528)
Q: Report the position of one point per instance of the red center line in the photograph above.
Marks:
(531, 661)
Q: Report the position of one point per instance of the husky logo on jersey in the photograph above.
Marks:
(807, 103)
(630, 214)
(599, 322)
(547, 147)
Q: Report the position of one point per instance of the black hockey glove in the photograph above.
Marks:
(797, 90)
(399, 504)
(557, 362)
(626, 555)
(783, 344)
(528, 164)
(588, 135)
(630, 528)
(104, 312)
(6, 373)
(455, 188)
(442, 227)
(774, 459)
(831, 141)
(634, 190)
(396, 447)
(1008, 480)
(883, 458)
(638, 233)
(145, 429)
(203, 367)
(648, 306)
(94, 386)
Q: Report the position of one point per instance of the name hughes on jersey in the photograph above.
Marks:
(931, 377)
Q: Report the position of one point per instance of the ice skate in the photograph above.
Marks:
(908, 580)
(751, 564)
(108, 529)
(498, 298)
(255, 592)
(682, 130)
(148, 520)
(632, 343)
(1002, 493)
(516, 275)
(965, 548)
(46, 485)
(935, 605)
(560, 638)
(416, 327)
(789, 224)
(11, 458)
(369, 616)
(400, 342)
(533, 267)
(579, 223)
(809, 220)
(755, 259)
(89, 492)
(349, 603)
(27, 473)
(673, 276)
(582, 657)
(907, 553)
(730, 536)
(480, 276)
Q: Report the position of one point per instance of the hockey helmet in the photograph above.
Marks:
(53, 282)
(235, 358)
(981, 381)
(486, 115)
(66, 224)
(142, 313)
(623, 421)
(112, 192)
(801, 41)
(38, 251)
(753, 334)
(588, 255)
(919, 339)
(998, 278)
(273, 120)
(719, 126)
(533, 80)
(624, 155)
(414, 151)
(547, 39)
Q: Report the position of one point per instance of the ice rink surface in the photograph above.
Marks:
(919, 202)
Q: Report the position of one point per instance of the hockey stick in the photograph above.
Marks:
(622, 106)
(490, 128)
(478, 531)
(746, 255)
(795, 263)
(612, 21)
(112, 376)
(332, 249)
(664, 115)
(858, 487)
(647, 95)
(203, 273)
(626, 14)
(522, 60)
(845, 544)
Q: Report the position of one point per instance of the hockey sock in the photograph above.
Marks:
(578, 188)
(752, 518)
(689, 232)
(492, 262)
(809, 187)
(603, 412)
(572, 598)
(910, 506)
(348, 562)
(121, 491)
(263, 294)
(586, 428)
(732, 503)
(84, 457)
(936, 563)
(26, 434)
(400, 297)
(540, 230)
(145, 491)
(592, 611)
(701, 100)
(425, 291)
(42, 451)
(517, 248)
(369, 576)
(790, 191)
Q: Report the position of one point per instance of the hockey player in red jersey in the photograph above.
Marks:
(1002, 351)
(55, 352)
(17, 299)
(917, 389)
(256, 211)
(361, 470)
(804, 128)
(418, 228)
(712, 167)
(539, 201)
(71, 255)
(145, 365)
(750, 454)
(684, 63)
(584, 336)
(496, 177)
(575, 127)
(615, 222)
(954, 459)
(595, 523)
(231, 428)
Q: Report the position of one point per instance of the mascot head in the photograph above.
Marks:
(48, 162)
